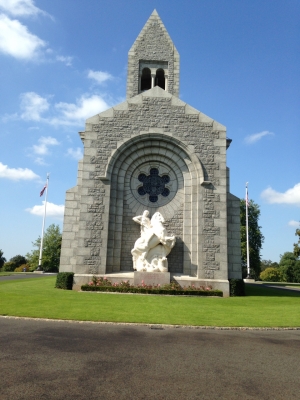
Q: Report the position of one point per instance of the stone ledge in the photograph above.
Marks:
(184, 280)
(151, 278)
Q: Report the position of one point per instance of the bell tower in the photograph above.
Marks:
(153, 60)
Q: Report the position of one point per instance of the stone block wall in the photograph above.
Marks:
(153, 130)
(234, 237)
(153, 127)
(153, 44)
(71, 225)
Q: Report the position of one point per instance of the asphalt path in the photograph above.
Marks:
(24, 275)
(42, 359)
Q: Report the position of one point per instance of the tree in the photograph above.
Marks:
(14, 263)
(51, 250)
(256, 238)
(271, 274)
(264, 264)
(8, 267)
(297, 245)
(18, 260)
(289, 267)
(2, 259)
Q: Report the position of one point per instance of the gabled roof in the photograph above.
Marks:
(158, 93)
(154, 17)
(153, 44)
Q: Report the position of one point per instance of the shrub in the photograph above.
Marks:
(237, 287)
(271, 275)
(8, 267)
(100, 281)
(64, 280)
(22, 267)
(102, 284)
(153, 290)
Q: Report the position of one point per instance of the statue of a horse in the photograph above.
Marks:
(151, 249)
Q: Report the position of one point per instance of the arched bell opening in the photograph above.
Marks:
(160, 78)
(146, 79)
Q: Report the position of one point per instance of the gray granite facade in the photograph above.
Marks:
(153, 129)
(153, 47)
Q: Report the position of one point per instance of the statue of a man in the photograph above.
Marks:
(146, 233)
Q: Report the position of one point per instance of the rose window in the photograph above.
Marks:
(153, 185)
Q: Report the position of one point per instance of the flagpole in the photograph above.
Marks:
(247, 234)
(39, 268)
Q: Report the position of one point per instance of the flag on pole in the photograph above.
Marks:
(247, 197)
(247, 233)
(42, 191)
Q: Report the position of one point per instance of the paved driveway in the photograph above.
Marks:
(24, 275)
(61, 360)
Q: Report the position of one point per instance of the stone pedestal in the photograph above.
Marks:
(151, 278)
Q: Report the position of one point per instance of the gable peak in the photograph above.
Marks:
(153, 60)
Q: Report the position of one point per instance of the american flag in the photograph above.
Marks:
(42, 191)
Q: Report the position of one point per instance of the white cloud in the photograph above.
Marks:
(40, 161)
(291, 196)
(85, 107)
(65, 59)
(20, 7)
(68, 114)
(52, 210)
(16, 174)
(17, 41)
(255, 137)
(99, 76)
(33, 105)
(43, 145)
(294, 224)
(75, 153)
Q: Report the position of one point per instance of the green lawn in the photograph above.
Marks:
(12, 273)
(285, 284)
(262, 307)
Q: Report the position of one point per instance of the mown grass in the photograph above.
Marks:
(11, 273)
(285, 284)
(262, 307)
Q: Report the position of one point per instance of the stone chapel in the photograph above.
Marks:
(153, 133)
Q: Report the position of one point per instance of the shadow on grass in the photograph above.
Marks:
(261, 290)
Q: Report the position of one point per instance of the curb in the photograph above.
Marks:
(159, 326)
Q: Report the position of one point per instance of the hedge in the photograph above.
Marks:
(64, 280)
(88, 288)
(237, 287)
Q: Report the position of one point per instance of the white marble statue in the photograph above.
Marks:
(151, 249)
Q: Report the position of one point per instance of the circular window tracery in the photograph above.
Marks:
(153, 185)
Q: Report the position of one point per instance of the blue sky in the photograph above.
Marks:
(64, 61)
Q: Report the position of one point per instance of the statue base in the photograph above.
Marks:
(151, 278)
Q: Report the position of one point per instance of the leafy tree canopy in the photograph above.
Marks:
(287, 258)
(2, 259)
(51, 250)
(297, 245)
(264, 264)
(289, 267)
(256, 237)
(18, 260)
